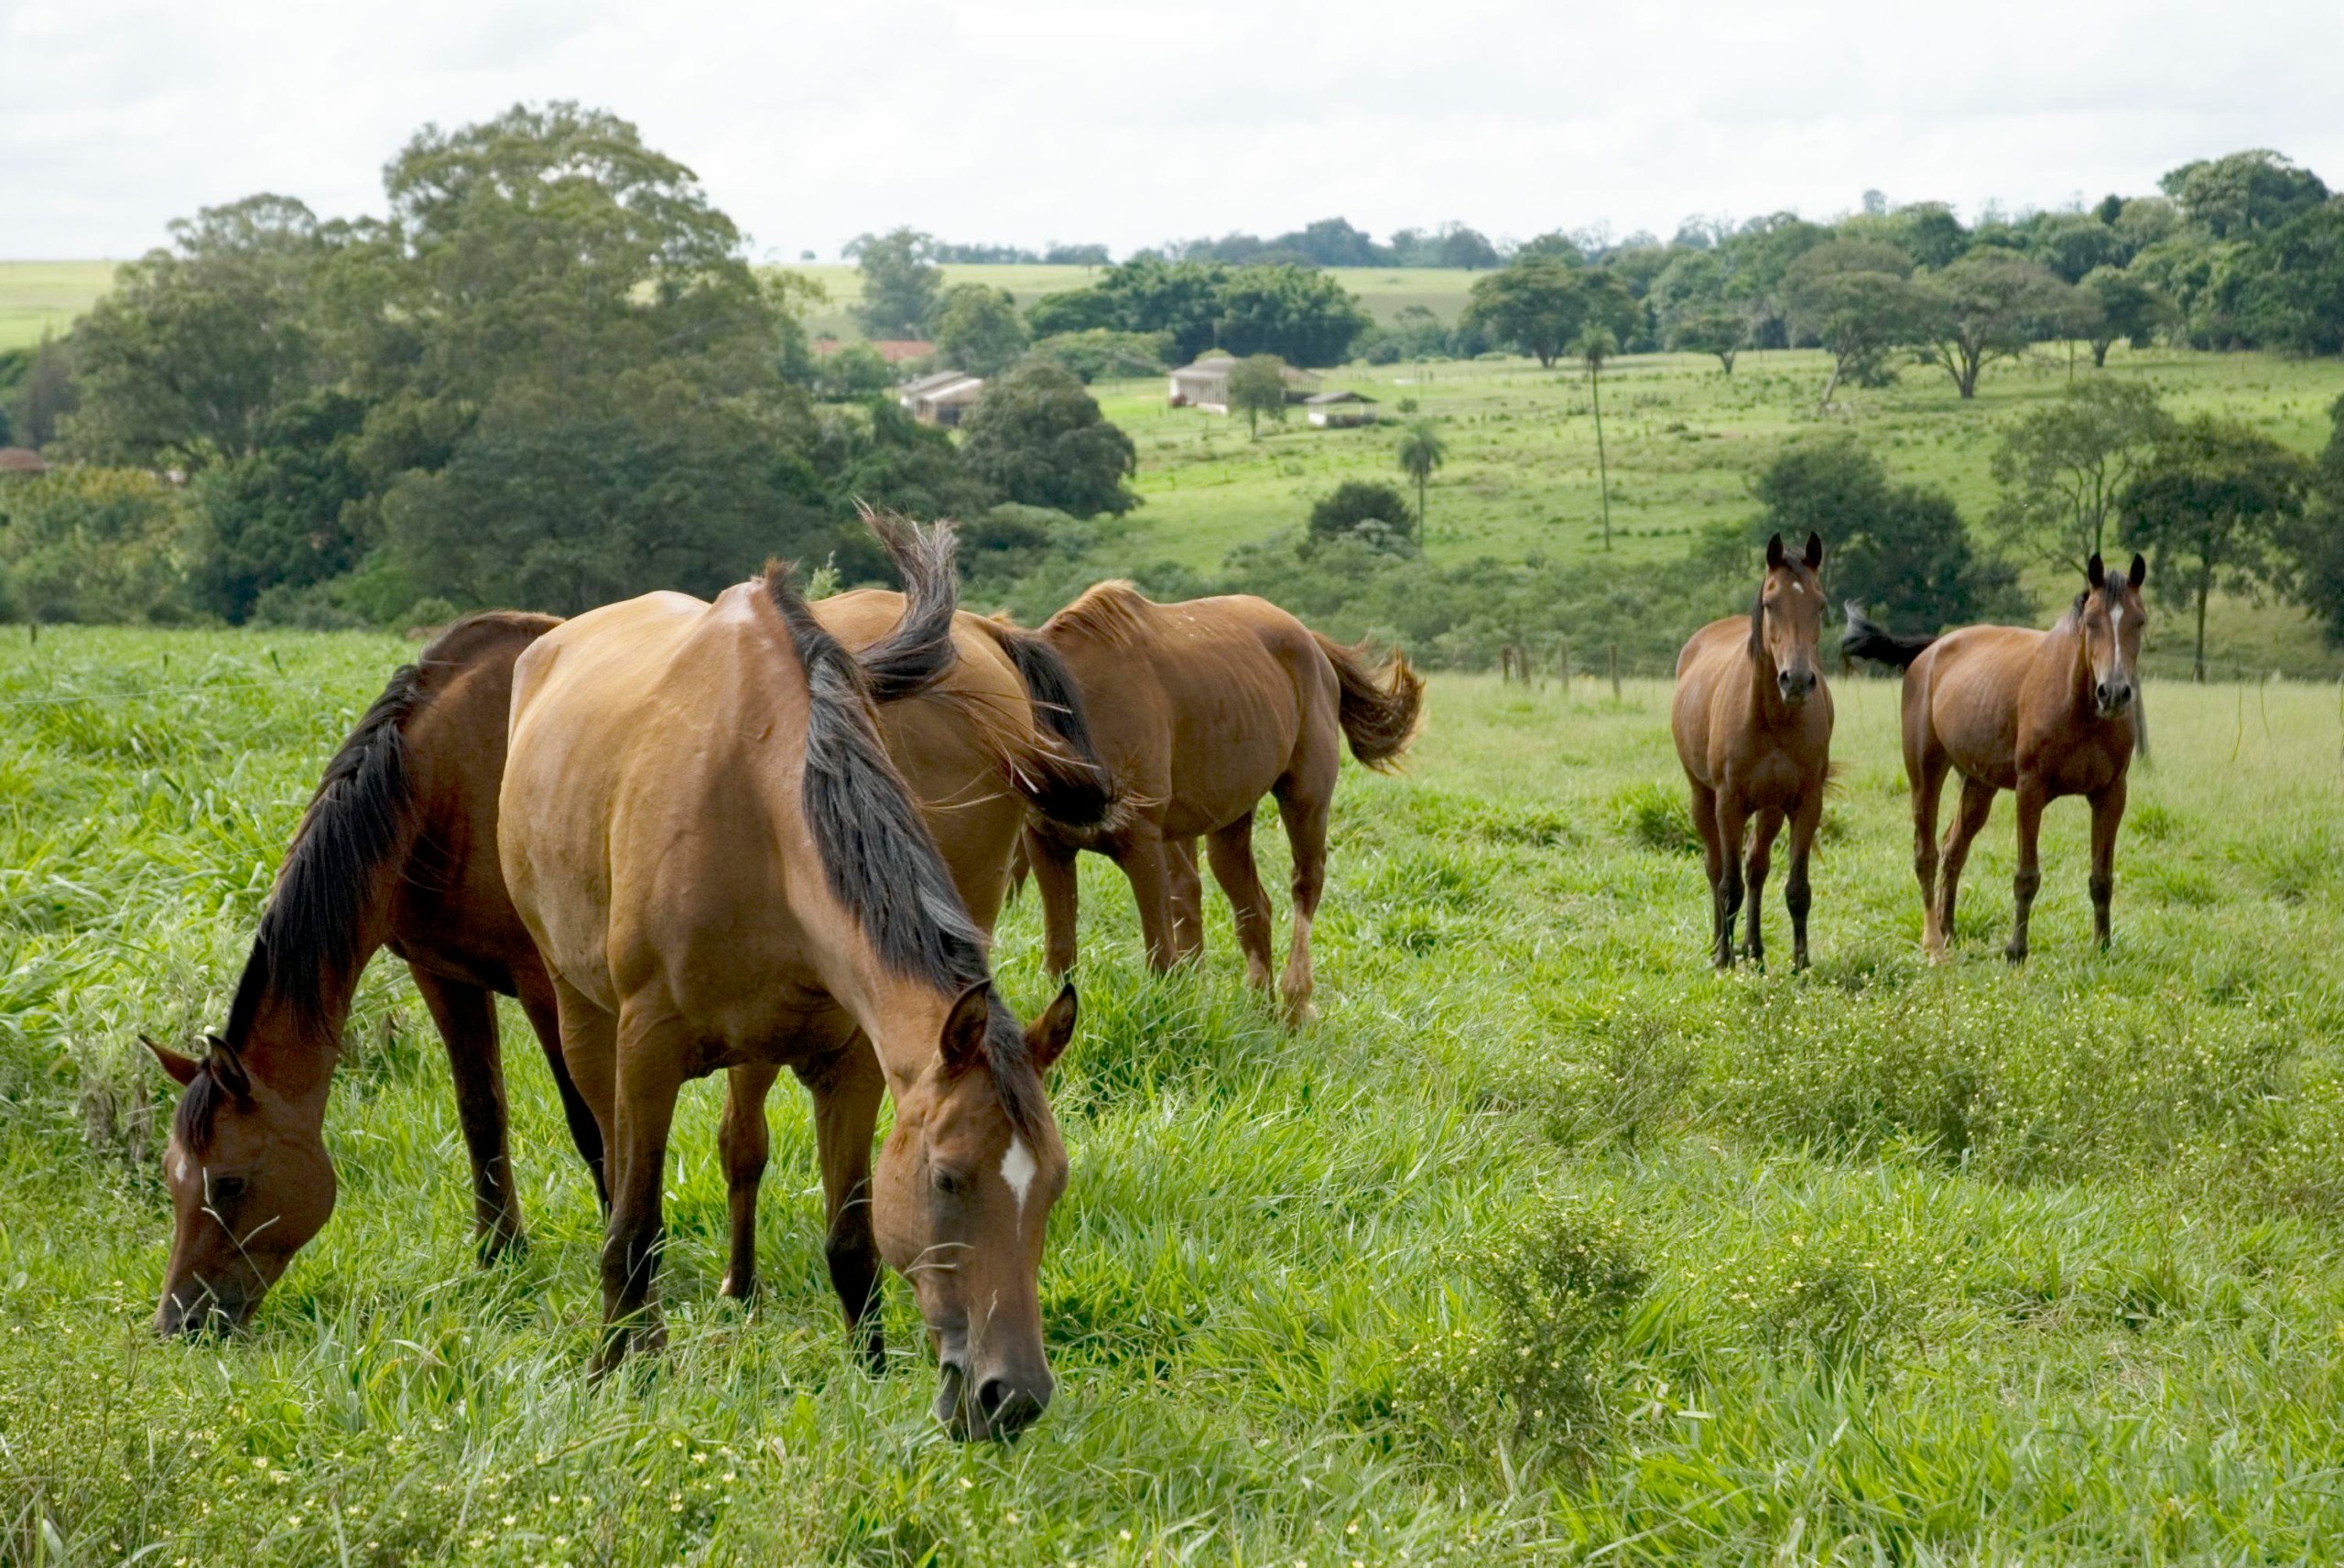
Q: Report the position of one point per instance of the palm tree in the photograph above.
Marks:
(1420, 451)
(1595, 345)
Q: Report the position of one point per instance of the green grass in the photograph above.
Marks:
(1684, 443)
(40, 296)
(1904, 1264)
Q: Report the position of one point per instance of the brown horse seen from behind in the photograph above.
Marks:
(1751, 720)
(2043, 714)
(1200, 710)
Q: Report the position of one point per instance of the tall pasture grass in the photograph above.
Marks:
(1544, 1245)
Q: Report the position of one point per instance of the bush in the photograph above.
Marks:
(1099, 355)
(1368, 511)
(1531, 1367)
(1037, 436)
(93, 544)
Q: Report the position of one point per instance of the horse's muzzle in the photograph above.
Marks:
(997, 1409)
(1797, 685)
(2114, 696)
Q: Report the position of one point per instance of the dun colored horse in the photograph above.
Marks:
(2043, 714)
(1752, 722)
(1200, 710)
(704, 834)
(399, 849)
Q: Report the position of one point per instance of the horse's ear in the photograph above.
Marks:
(2095, 570)
(2139, 572)
(1775, 551)
(964, 1044)
(1046, 1037)
(226, 1066)
(182, 1069)
(1814, 549)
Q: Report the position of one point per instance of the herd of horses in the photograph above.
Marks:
(761, 833)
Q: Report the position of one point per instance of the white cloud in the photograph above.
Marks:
(1130, 124)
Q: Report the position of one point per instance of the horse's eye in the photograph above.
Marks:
(223, 1189)
(948, 1183)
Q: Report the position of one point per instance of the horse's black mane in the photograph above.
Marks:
(878, 856)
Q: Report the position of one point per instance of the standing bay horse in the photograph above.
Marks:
(2043, 714)
(399, 849)
(702, 830)
(1753, 723)
(1200, 710)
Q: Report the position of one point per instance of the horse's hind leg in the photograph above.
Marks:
(1926, 769)
(1054, 880)
(1969, 820)
(1303, 806)
(1232, 852)
(466, 1015)
(2032, 798)
(1762, 856)
(648, 1074)
(745, 1142)
(2107, 814)
(846, 1091)
(1188, 897)
(1733, 816)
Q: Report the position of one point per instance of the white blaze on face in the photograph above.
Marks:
(1017, 1168)
(177, 1162)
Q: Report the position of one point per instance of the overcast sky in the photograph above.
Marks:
(1091, 120)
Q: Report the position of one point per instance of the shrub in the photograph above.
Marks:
(93, 544)
(1372, 513)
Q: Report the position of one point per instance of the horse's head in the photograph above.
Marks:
(2112, 618)
(965, 1185)
(1789, 616)
(250, 1184)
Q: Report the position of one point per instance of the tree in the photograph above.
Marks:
(2127, 308)
(2316, 545)
(978, 329)
(180, 364)
(1853, 297)
(1257, 387)
(2211, 507)
(1367, 512)
(291, 513)
(1690, 299)
(1987, 306)
(2071, 245)
(1596, 344)
(2063, 467)
(2243, 194)
(901, 282)
(1300, 314)
(1100, 354)
(1534, 302)
(1037, 438)
(85, 542)
(1900, 551)
(1420, 451)
(2292, 284)
(44, 394)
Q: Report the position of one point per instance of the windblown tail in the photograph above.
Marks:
(918, 652)
(1864, 639)
(1380, 707)
(1064, 778)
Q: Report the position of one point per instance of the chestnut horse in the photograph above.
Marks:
(399, 849)
(703, 833)
(2043, 714)
(1752, 722)
(1200, 710)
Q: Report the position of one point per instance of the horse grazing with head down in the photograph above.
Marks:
(2043, 714)
(703, 832)
(1200, 710)
(399, 849)
(1753, 723)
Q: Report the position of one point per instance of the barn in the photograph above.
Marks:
(1331, 410)
(1205, 383)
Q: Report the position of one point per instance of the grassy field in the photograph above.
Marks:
(1880, 1263)
(38, 296)
(1683, 444)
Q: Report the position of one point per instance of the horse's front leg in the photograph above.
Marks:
(2106, 814)
(1796, 894)
(2032, 798)
(1732, 818)
(1762, 858)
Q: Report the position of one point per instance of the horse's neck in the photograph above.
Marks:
(294, 1046)
(2064, 655)
(904, 1020)
(1766, 706)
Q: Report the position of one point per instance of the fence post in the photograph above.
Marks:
(1611, 659)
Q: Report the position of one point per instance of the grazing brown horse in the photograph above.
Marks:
(2043, 714)
(1752, 722)
(399, 849)
(703, 832)
(1200, 710)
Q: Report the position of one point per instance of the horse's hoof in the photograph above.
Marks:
(738, 1293)
(500, 1246)
(2014, 955)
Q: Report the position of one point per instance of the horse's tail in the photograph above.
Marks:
(1866, 639)
(918, 652)
(1063, 777)
(1380, 707)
